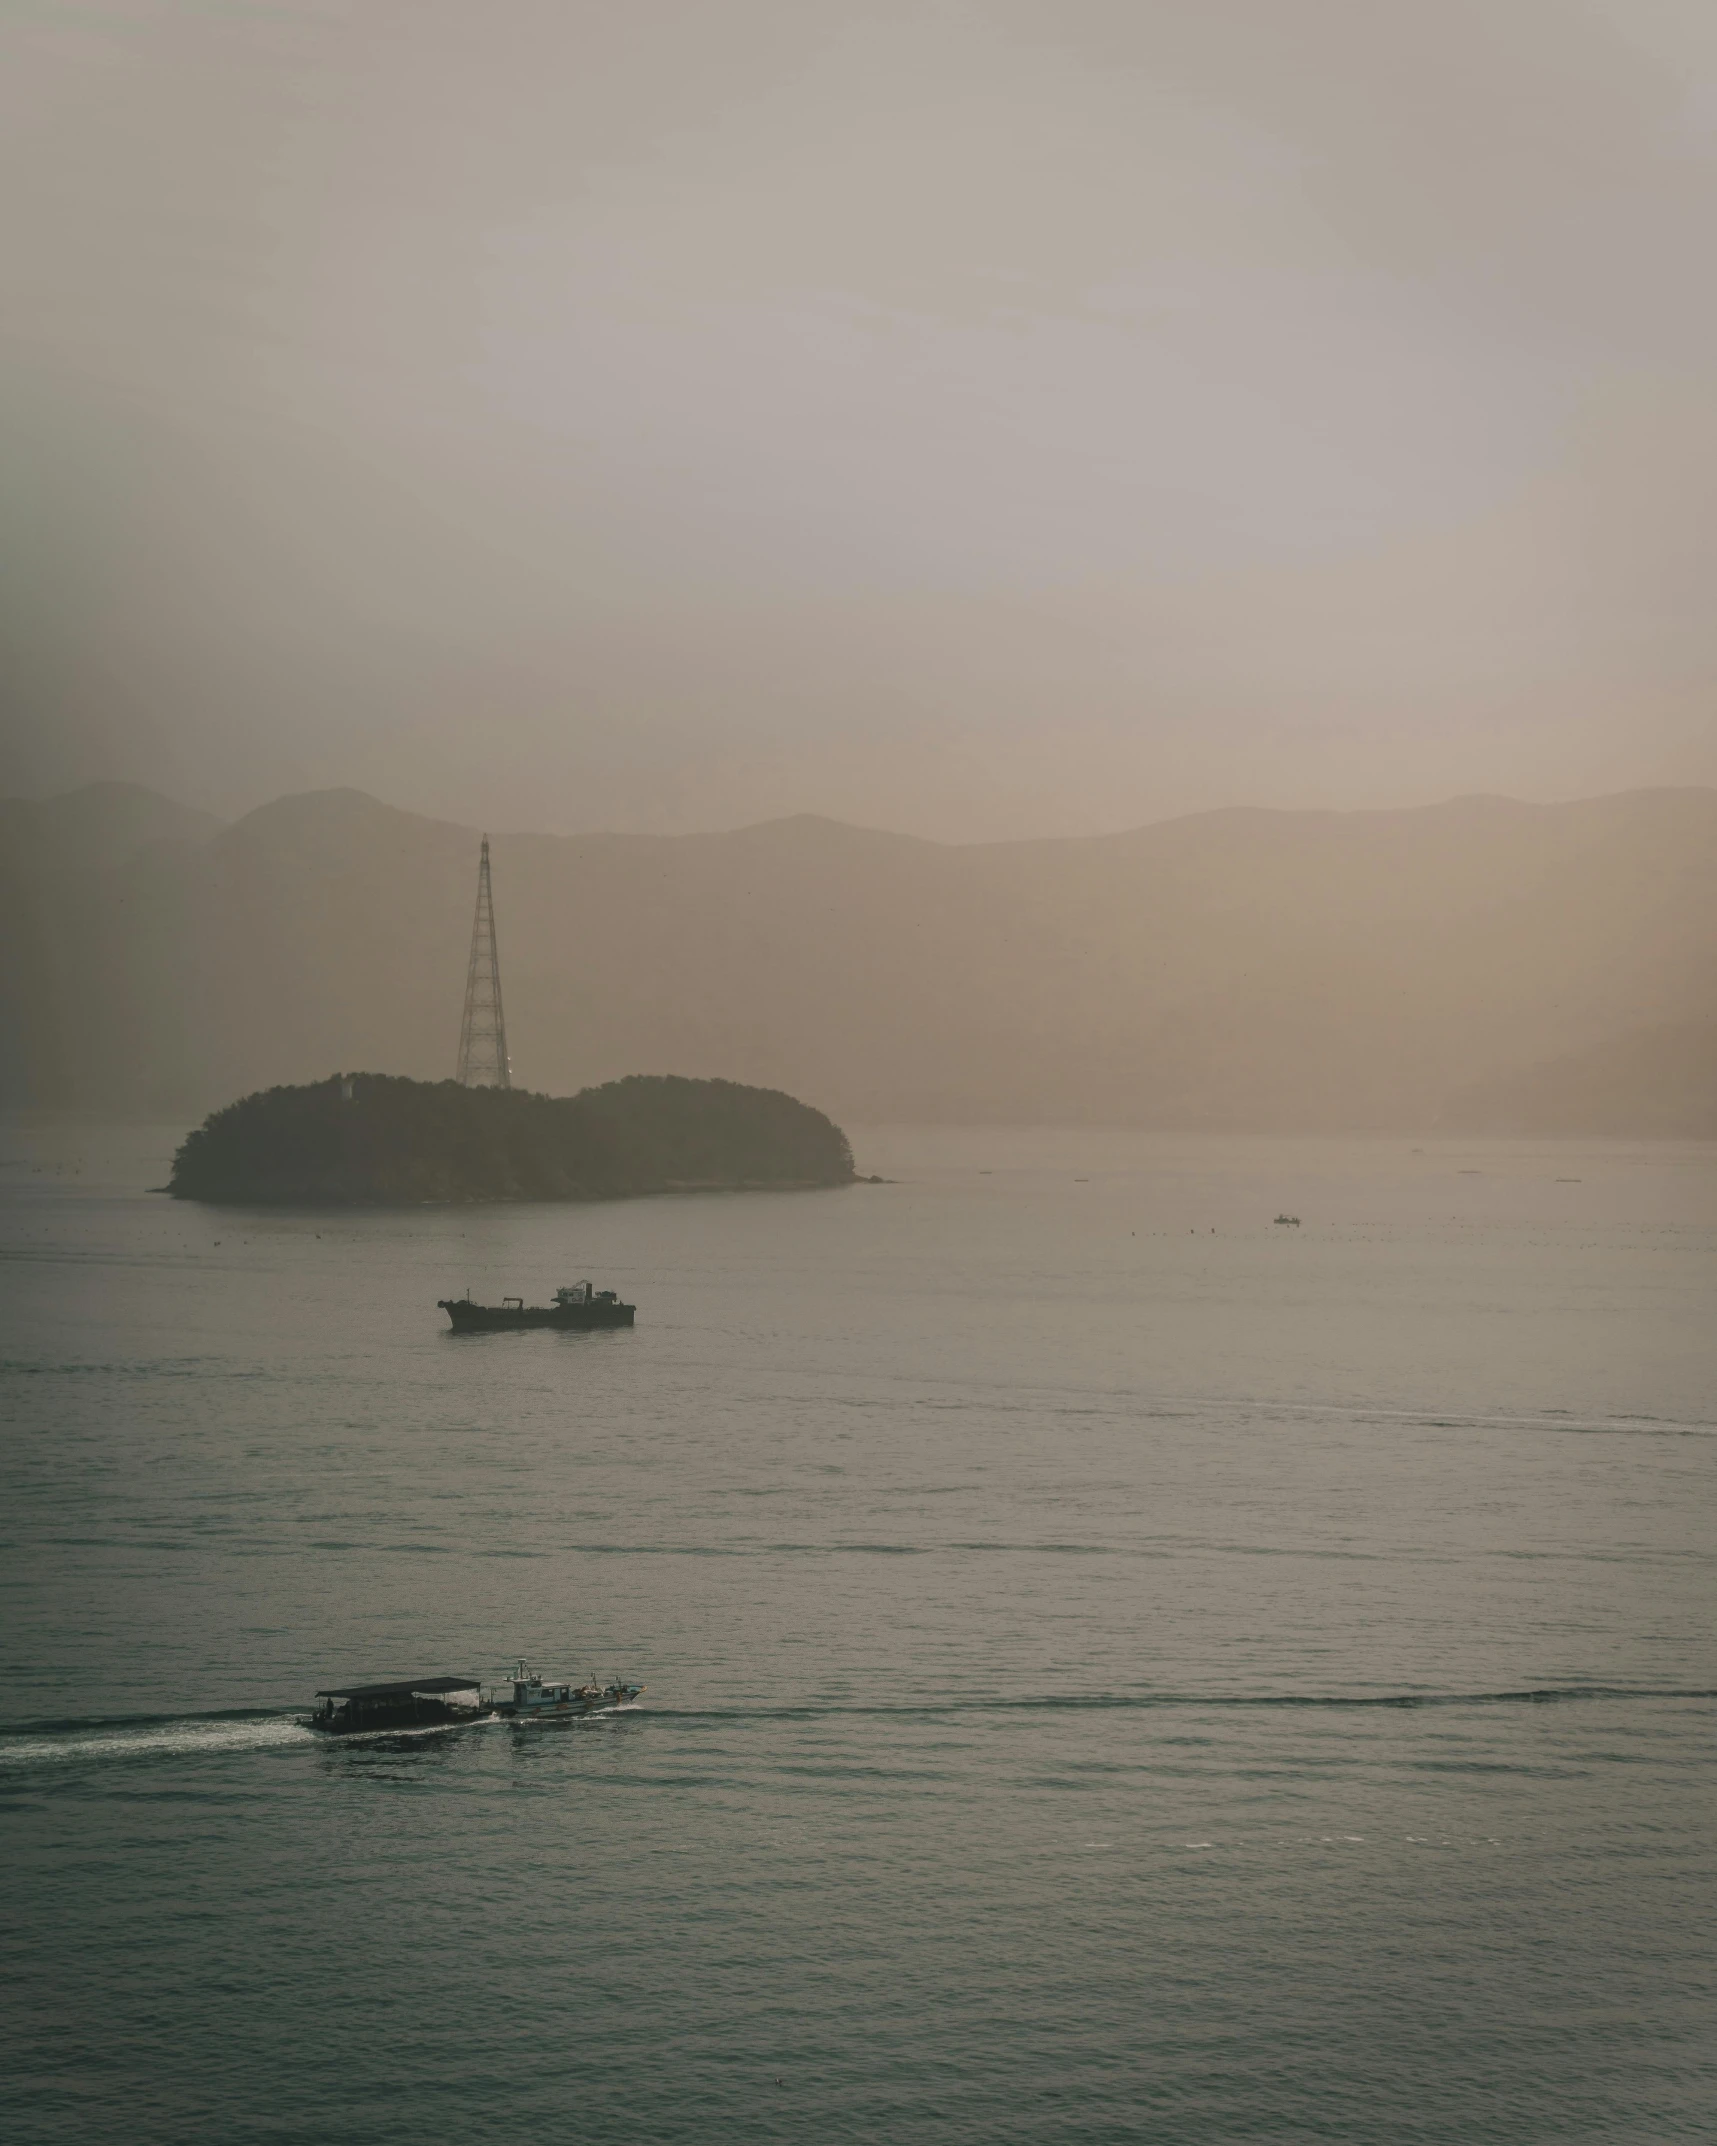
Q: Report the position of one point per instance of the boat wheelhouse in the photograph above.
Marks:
(417, 1703)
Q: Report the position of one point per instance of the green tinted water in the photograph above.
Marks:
(1117, 1668)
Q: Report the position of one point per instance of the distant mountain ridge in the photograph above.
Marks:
(1249, 970)
(94, 828)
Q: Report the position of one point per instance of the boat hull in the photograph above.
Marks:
(574, 1709)
(498, 1318)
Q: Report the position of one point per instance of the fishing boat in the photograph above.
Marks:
(449, 1702)
(579, 1306)
(538, 1698)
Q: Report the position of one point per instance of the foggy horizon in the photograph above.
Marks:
(470, 823)
(980, 423)
(1481, 964)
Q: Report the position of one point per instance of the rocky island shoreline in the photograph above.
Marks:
(374, 1139)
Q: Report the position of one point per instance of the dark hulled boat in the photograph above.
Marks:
(580, 1306)
(423, 1703)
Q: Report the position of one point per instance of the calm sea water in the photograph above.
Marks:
(1118, 1668)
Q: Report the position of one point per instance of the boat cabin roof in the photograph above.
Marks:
(401, 1691)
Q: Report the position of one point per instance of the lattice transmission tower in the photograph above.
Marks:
(483, 1059)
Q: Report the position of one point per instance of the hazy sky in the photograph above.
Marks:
(973, 419)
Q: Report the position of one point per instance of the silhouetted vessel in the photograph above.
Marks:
(450, 1702)
(426, 1703)
(579, 1306)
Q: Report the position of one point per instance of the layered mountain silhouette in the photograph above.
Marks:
(1481, 964)
(105, 823)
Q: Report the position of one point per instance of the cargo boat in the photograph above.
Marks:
(579, 1307)
(420, 1703)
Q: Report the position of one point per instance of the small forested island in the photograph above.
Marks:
(373, 1139)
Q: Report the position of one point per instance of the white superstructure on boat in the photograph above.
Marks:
(538, 1698)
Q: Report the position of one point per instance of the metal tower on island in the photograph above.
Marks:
(483, 1059)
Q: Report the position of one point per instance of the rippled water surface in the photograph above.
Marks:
(1118, 1668)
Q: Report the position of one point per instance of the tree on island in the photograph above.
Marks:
(374, 1139)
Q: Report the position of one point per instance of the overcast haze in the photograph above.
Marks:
(969, 420)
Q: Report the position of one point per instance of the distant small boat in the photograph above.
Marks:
(579, 1306)
(1293, 1221)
